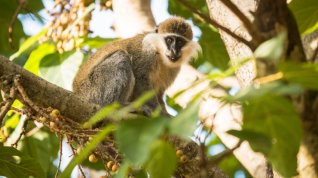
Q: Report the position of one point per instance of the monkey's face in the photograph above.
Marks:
(174, 47)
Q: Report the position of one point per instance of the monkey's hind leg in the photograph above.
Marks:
(112, 80)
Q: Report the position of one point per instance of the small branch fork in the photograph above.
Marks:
(256, 40)
(69, 141)
(7, 103)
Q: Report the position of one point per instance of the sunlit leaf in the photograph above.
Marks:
(15, 164)
(33, 40)
(162, 160)
(306, 14)
(60, 69)
(123, 171)
(135, 137)
(33, 63)
(184, 124)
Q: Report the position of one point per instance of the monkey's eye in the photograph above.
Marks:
(168, 40)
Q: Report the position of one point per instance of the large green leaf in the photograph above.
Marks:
(185, 123)
(175, 7)
(213, 48)
(33, 63)
(306, 14)
(275, 118)
(135, 137)
(42, 146)
(15, 164)
(162, 160)
(60, 69)
(258, 141)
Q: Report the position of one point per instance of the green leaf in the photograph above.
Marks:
(60, 69)
(306, 14)
(272, 49)
(86, 150)
(175, 7)
(276, 118)
(162, 160)
(305, 74)
(101, 114)
(213, 48)
(185, 123)
(258, 141)
(33, 63)
(31, 41)
(42, 146)
(123, 171)
(96, 42)
(15, 164)
(135, 137)
(274, 88)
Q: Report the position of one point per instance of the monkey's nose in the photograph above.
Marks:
(173, 58)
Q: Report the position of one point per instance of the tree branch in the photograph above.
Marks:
(217, 25)
(37, 89)
(246, 22)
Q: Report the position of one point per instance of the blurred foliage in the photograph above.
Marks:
(271, 124)
(306, 14)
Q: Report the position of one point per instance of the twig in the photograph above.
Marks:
(224, 154)
(2, 104)
(8, 103)
(203, 158)
(314, 55)
(217, 25)
(25, 97)
(15, 144)
(72, 148)
(246, 22)
(12, 22)
(60, 159)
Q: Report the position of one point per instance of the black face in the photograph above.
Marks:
(174, 45)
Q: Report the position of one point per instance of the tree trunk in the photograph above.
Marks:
(272, 13)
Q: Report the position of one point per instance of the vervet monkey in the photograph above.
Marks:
(125, 69)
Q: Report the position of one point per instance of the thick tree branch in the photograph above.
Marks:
(45, 94)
